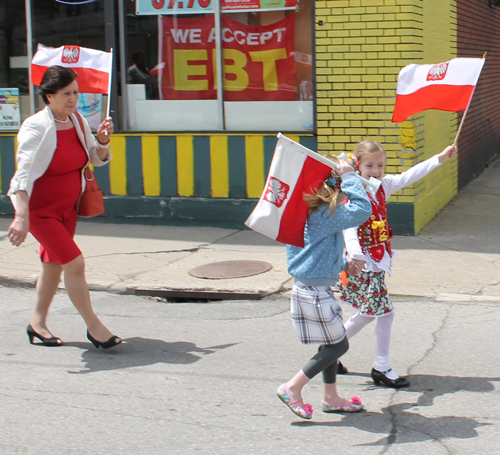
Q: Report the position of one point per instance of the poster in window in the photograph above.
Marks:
(258, 61)
(90, 106)
(10, 114)
(168, 7)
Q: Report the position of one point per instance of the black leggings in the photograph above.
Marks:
(326, 361)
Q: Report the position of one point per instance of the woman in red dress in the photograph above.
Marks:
(52, 152)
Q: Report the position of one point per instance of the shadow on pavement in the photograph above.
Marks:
(417, 428)
(408, 425)
(433, 386)
(138, 352)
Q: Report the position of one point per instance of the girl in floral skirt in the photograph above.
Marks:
(316, 315)
(369, 246)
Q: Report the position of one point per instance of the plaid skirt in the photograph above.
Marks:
(367, 292)
(316, 315)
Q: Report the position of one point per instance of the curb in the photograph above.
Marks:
(190, 294)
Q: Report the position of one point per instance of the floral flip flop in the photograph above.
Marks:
(305, 411)
(354, 405)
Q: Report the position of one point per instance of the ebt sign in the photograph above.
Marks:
(258, 61)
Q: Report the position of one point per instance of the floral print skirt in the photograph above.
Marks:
(367, 292)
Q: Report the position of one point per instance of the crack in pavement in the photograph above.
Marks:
(391, 439)
(435, 338)
(132, 253)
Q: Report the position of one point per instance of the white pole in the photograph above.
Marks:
(29, 51)
(218, 65)
(110, 82)
(123, 67)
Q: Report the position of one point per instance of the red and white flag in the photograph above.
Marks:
(157, 69)
(93, 67)
(281, 212)
(446, 86)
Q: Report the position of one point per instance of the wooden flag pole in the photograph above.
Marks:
(465, 112)
(461, 123)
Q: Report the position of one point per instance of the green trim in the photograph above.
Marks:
(310, 142)
(269, 147)
(201, 157)
(214, 212)
(401, 217)
(102, 176)
(168, 165)
(135, 180)
(237, 167)
(6, 207)
(8, 161)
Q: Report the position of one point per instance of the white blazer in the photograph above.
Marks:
(37, 142)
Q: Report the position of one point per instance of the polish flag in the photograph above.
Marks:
(281, 212)
(93, 67)
(157, 69)
(446, 86)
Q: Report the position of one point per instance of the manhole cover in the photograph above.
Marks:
(230, 269)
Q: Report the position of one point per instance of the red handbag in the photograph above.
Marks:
(91, 202)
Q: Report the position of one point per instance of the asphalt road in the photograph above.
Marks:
(201, 378)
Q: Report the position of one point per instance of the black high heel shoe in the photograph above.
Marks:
(53, 341)
(379, 376)
(113, 341)
(341, 369)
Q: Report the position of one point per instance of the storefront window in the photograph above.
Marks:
(56, 24)
(266, 66)
(174, 87)
(182, 65)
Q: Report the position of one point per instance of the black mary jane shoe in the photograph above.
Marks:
(341, 369)
(52, 341)
(379, 376)
(113, 341)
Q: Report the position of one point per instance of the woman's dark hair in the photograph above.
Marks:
(55, 78)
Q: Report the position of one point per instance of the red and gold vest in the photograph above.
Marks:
(375, 233)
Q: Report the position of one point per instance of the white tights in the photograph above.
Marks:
(382, 338)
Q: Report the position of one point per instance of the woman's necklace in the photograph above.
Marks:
(61, 121)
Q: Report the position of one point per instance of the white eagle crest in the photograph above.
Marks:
(437, 72)
(276, 192)
(71, 54)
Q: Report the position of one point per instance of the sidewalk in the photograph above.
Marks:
(457, 253)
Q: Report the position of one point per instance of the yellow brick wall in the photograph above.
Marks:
(437, 128)
(361, 45)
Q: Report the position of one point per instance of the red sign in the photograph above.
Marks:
(258, 61)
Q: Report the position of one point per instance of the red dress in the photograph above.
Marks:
(53, 200)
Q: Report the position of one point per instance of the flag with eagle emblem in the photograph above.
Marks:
(93, 67)
(281, 212)
(446, 86)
